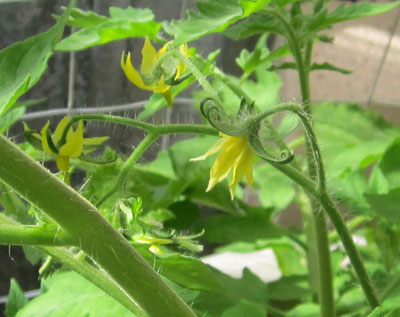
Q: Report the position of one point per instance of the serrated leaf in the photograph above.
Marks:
(10, 118)
(68, 294)
(285, 65)
(389, 164)
(249, 61)
(386, 205)
(16, 299)
(184, 270)
(213, 16)
(81, 18)
(107, 32)
(23, 63)
(255, 224)
(245, 308)
(324, 20)
(255, 24)
(134, 14)
(305, 310)
(99, 30)
(328, 66)
(276, 190)
(249, 288)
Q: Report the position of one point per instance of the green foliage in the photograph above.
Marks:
(23, 63)
(16, 299)
(325, 19)
(161, 208)
(213, 16)
(69, 294)
(99, 30)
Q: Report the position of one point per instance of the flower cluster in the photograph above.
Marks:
(155, 75)
(235, 155)
(74, 145)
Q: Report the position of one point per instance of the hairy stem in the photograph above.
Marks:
(126, 167)
(108, 248)
(33, 235)
(92, 274)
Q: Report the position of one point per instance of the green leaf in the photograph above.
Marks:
(16, 299)
(386, 205)
(352, 137)
(389, 164)
(285, 65)
(260, 55)
(23, 63)
(80, 18)
(324, 20)
(213, 16)
(261, 22)
(68, 294)
(249, 288)
(256, 224)
(10, 118)
(276, 189)
(305, 310)
(289, 288)
(134, 14)
(328, 66)
(245, 308)
(99, 30)
(265, 90)
(184, 270)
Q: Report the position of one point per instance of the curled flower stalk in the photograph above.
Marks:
(156, 73)
(235, 155)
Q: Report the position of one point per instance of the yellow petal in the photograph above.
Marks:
(131, 72)
(161, 87)
(163, 49)
(149, 58)
(217, 146)
(168, 97)
(59, 130)
(181, 66)
(223, 164)
(74, 145)
(62, 163)
(242, 167)
(45, 144)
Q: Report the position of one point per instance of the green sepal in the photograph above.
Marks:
(52, 147)
(34, 139)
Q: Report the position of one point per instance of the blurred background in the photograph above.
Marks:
(92, 78)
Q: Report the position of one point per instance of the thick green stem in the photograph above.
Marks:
(107, 247)
(97, 277)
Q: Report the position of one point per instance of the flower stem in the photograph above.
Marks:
(199, 76)
(126, 167)
(107, 247)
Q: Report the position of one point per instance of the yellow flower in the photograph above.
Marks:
(75, 145)
(235, 154)
(148, 79)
